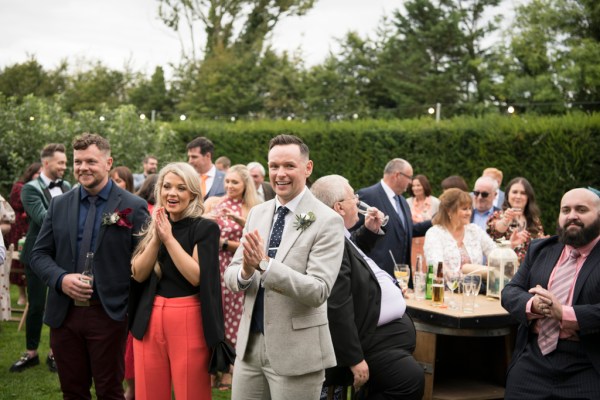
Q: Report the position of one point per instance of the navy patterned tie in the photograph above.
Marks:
(258, 315)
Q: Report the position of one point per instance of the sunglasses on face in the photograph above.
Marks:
(483, 195)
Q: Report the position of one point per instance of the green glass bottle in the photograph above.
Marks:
(429, 287)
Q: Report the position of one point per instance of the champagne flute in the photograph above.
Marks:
(452, 278)
(401, 273)
(364, 209)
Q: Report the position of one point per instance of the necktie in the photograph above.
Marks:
(88, 230)
(257, 324)
(561, 285)
(203, 179)
(399, 211)
(55, 184)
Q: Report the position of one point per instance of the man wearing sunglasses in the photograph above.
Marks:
(484, 193)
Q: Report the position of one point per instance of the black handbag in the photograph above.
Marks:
(222, 357)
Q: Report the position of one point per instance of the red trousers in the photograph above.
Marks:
(173, 352)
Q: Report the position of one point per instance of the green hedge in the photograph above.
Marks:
(554, 153)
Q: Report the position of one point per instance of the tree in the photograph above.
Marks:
(151, 95)
(20, 80)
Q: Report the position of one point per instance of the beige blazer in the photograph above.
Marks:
(297, 286)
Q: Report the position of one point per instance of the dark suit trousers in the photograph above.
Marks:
(90, 345)
(566, 373)
(393, 372)
(36, 297)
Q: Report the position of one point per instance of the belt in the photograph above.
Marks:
(88, 303)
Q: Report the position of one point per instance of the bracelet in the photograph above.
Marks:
(225, 244)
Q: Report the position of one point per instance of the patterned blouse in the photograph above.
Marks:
(521, 249)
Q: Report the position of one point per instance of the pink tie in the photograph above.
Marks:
(561, 285)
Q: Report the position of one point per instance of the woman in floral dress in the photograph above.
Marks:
(519, 211)
(230, 212)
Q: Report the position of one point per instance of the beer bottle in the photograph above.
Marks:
(438, 286)
(429, 285)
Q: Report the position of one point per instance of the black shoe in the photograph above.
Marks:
(51, 363)
(26, 361)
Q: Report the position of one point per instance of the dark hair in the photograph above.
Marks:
(125, 174)
(146, 191)
(455, 181)
(148, 157)
(50, 149)
(531, 211)
(85, 140)
(206, 146)
(282, 140)
(424, 182)
(450, 201)
(30, 172)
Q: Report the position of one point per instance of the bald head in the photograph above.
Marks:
(579, 217)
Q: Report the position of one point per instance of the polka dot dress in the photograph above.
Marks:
(232, 302)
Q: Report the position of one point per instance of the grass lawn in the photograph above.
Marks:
(35, 383)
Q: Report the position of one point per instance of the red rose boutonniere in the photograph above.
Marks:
(118, 217)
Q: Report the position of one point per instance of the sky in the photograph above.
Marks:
(129, 32)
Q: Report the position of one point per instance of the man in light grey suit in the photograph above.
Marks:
(289, 260)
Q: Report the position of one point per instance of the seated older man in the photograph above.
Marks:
(372, 335)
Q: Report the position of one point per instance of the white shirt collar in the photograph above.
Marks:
(292, 204)
(388, 190)
(45, 179)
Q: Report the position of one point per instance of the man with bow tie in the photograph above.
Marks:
(36, 196)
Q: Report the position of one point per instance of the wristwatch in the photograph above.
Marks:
(225, 244)
(263, 264)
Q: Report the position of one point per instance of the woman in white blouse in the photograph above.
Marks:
(453, 239)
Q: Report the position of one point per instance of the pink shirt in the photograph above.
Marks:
(569, 325)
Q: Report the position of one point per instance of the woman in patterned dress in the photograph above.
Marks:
(519, 211)
(230, 212)
(423, 206)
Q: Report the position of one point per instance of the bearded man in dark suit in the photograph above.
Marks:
(555, 296)
(88, 322)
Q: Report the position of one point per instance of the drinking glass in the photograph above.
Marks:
(517, 224)
(401, 273)
(452, 278)
(476, 286)
(364, 209)
(469, 286)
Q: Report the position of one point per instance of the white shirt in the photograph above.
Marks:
(391, 195)
(440, 245)
(55, 191)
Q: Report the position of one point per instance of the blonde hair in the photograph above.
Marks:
(250, 196)
(195, 208)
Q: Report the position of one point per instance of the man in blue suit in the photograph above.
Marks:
(387, 197)
(200, 153)
(88, 321)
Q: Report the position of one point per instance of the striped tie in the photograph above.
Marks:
(561, 285)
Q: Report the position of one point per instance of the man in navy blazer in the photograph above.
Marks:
(200, 153)
(88, 323)
(484, 194)
(387, 197)
(572, 369)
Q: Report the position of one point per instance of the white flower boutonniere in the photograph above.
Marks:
(118, 217)
(303, 220)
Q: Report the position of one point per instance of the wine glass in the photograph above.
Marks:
(364, 209)
(476, 281)
(452, 279)
(402, 273)
(518, 224)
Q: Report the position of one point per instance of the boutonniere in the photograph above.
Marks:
(303, 220)
(118, 217)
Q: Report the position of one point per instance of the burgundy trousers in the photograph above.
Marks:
(90, 345)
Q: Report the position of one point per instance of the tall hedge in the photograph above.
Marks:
(554, 153)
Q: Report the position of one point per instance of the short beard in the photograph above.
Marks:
(579, 238)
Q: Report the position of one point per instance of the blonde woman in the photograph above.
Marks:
(230, 212)
(176, 313)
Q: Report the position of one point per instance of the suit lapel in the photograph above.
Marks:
(114, 199)
(73, 220)
(291, 234)
(360, 258)
(586, 269)
(548, 264)
(390, 210)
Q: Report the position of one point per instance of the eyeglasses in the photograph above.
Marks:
(483, 194)
(410, 177)
(353, 198)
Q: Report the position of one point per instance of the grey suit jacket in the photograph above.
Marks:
(55, 253)
(218, 185)
(297, 285)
